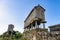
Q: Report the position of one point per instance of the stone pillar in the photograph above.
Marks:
(31, 27)
(36, 25)
(26, 29)
(44, 25)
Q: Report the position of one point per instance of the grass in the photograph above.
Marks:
(0, 38)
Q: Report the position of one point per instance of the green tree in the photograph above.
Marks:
(16, 35)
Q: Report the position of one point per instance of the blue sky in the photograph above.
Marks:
(15, 11)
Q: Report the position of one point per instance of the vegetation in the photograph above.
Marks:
(15, 36)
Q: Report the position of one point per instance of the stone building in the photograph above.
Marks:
(55, 32)
(10, 27)
(32, 31)
(8, 34)
(55, 28)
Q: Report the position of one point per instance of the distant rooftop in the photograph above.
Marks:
(54, 26)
